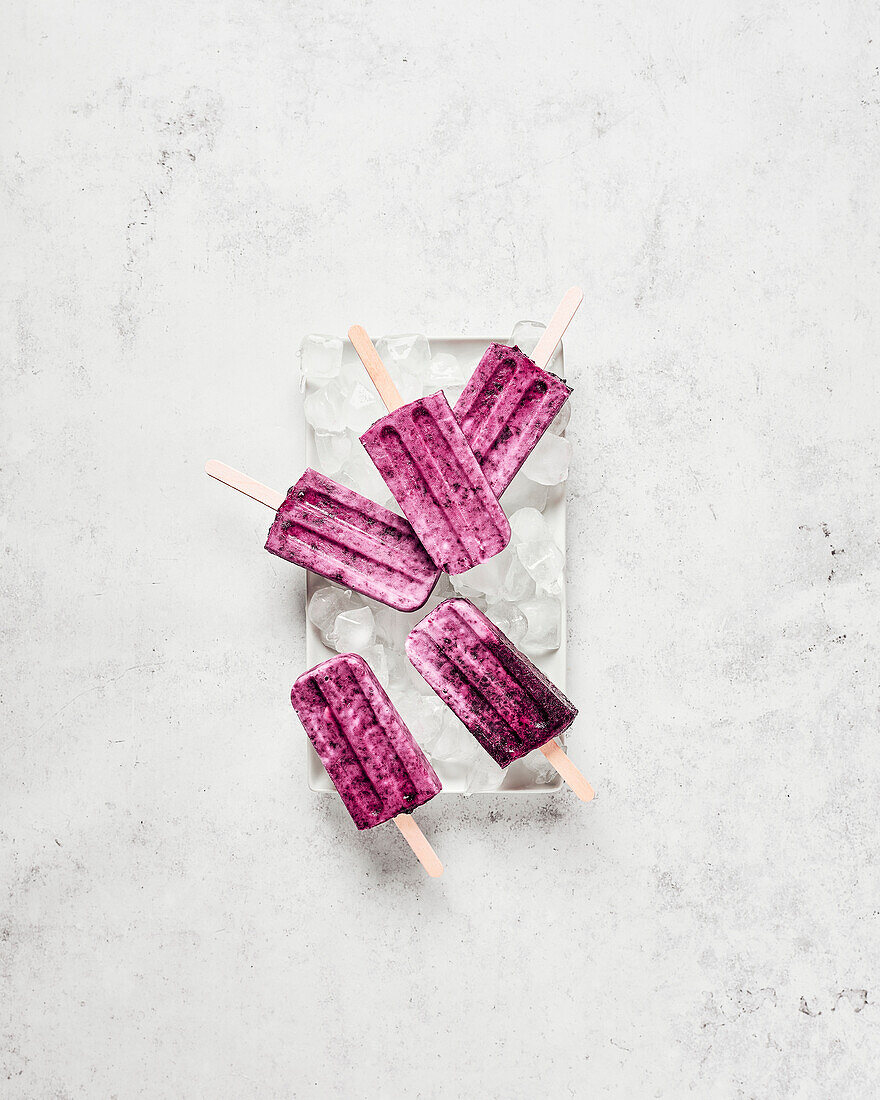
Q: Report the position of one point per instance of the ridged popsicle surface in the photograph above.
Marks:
(508, 705)
(330, 529)
(372, 758)
(420, 451)
(507, 405)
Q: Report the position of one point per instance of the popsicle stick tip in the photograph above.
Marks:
(586, 793)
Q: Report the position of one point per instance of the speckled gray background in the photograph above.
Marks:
(190, 188)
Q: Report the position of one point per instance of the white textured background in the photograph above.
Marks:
(191, 187)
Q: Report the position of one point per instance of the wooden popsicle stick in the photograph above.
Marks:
(376, 369)
(556, 755)
(235, 479)
(559, 322)
(417, 840)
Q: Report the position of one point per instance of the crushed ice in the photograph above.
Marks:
(519, 590)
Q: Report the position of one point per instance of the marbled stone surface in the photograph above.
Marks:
(187, 190)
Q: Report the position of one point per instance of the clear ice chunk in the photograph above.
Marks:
(483, 775)
(354, 630)
(543, 561)
(408, 359)
(548, 463)
(411, 351)
(484, 579)
(518, 583)
(544, 615)
(509, 620)
(323, 409)
(333, 451)
(443, 371)
(320, 358)
(377, 658)
(327, 604)
(560, 422)
(540, 770)
(362, 406)
(454, 741)
(523, 493)
(528, 525)
(360, 474)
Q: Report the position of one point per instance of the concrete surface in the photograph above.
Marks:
(189, 188)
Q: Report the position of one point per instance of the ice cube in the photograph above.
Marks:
(323, 409)
(444, 370)
(386, 619)
(509, 620)
(362, 407)
(453, 741)
(543, 561)
(412, 352)
(548, 462)
(528, 525)
(408, 705)
(410, 386)
(526, 335)
(423, 717)
(484, 579)
(452, 394)
(523, 493)
(333, 450)
(541, 771)
(560, 422)
(354, 630)
(360, 474)
(327, 603)
(544, 614)
(377, 657)
(518, 584)
(408, 359)
(320, 358)
(483, 775)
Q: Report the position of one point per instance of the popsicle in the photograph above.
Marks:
(510, 400)
(375, 764)
(323, 526)
(508, 705)
(420, 451)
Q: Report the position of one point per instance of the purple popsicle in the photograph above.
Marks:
(508, 705)
(362, 741)
(510, 399)
(507, 405)
(420, 451)
(325, 527)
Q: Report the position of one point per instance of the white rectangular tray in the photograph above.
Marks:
(468, 350)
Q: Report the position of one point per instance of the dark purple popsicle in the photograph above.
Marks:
(508, 705)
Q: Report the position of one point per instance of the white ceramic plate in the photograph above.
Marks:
(518, 780)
